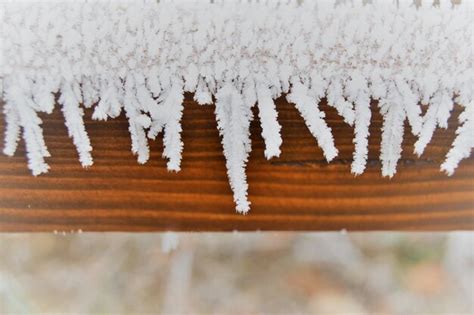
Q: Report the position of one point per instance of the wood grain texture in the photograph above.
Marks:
(298, 191)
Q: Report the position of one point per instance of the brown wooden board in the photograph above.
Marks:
(298, 191)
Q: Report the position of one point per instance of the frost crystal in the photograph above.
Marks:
(141, 57)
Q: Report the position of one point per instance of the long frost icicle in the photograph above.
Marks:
(233, 120)
(464, 142)
(314, 118)
(136, 120)
(268, 119)
(358, 92)
(173, 146)
(392, 130)
(140, 58)
(75, 124)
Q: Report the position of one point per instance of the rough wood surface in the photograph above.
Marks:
(298, 191)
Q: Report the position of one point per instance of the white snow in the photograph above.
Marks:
(141, 56)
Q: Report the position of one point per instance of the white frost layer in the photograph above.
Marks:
(140, 57)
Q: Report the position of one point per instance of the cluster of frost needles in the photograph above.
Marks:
(140, 57)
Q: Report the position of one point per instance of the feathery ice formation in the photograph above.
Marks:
(140, 57)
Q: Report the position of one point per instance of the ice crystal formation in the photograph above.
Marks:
(141, 57)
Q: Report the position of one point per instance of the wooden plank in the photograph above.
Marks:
(298, 191)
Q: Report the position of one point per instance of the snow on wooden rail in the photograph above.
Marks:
(140, 58)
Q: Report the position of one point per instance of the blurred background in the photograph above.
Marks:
(237, 273)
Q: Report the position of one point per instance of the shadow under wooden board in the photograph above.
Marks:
(298, 191)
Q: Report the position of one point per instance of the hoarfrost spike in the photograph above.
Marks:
(464, 142)
(358, 92)
(268, 119)
(233, 120)
(314, 118)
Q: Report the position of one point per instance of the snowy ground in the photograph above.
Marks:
(238, 273)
